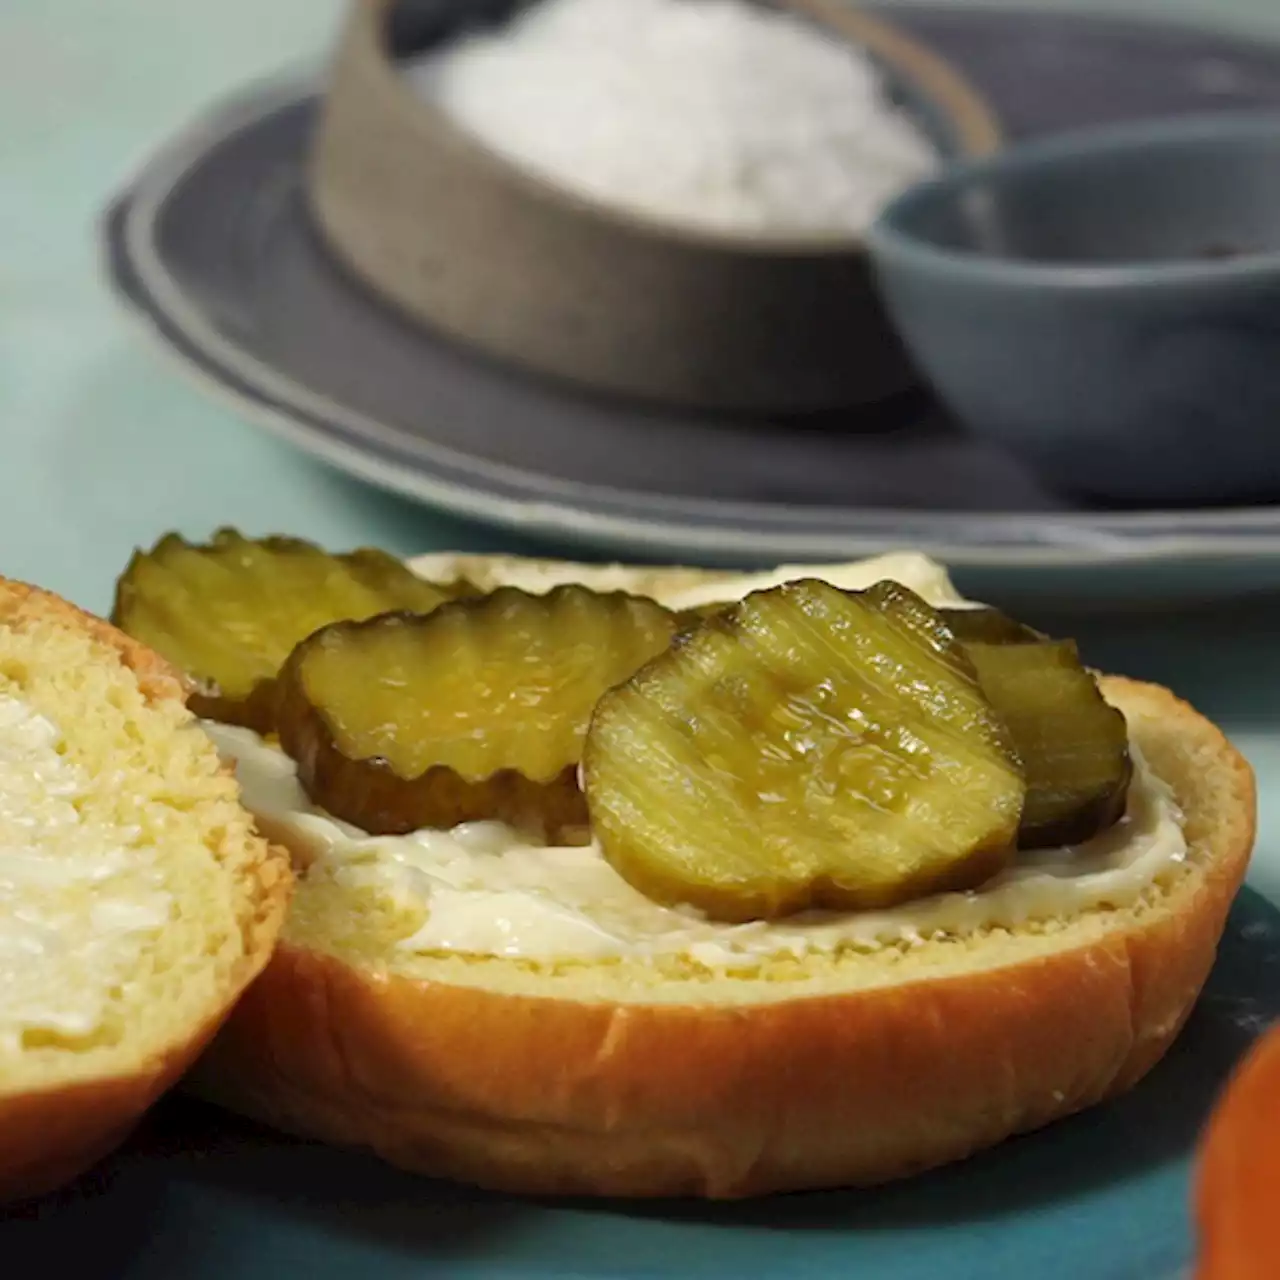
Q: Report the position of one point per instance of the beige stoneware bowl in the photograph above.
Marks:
(503, 261)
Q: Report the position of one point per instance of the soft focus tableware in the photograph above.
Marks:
(474, 246)
(213, 252)
(1106, 305)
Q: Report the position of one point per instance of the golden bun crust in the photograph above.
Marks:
(50, 1135)
(536, 1082)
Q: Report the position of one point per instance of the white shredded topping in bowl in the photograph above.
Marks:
(720, 115)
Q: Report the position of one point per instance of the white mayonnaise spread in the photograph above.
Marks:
(482, 889)
(76, 910)
(689, 588)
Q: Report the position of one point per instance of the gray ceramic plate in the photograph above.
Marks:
(213, 248)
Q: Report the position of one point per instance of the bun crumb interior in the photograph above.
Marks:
(136, 897)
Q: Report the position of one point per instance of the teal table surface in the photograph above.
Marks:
(104, 446)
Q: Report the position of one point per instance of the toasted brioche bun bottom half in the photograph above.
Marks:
(64, 1105)
(844, 1069)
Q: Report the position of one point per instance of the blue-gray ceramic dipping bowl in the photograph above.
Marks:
(1106, 304)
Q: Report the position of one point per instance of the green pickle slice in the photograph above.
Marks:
(476, 711)
(1074, 745)
(229, 612)
(988, 626)
(810, 747)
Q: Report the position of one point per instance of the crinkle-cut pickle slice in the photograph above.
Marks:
(475, 711)
(1073, 744)
(229, 612)
(810, 747)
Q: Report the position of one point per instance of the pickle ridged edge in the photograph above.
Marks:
(369, 793)
(220, 611)
(510, 755)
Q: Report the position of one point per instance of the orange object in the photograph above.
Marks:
(1237, 1191)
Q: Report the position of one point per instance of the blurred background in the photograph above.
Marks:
(87, 89)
